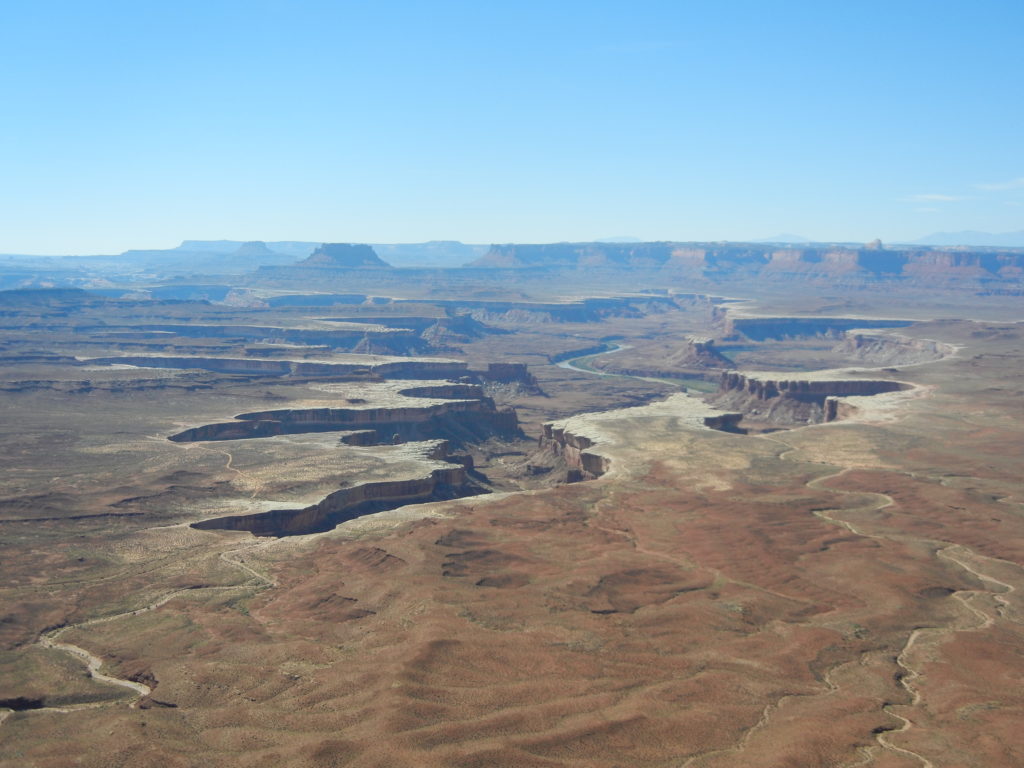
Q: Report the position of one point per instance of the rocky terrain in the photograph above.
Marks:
(636, 529)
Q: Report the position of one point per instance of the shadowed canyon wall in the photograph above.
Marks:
(792, 402)
(348, 504)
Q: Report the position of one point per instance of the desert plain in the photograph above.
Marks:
(466, 522)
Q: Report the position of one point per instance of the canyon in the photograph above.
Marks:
(460, 517)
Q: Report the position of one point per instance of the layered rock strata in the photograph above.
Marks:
(892, 349)
(566, 439)
(572, 449)
(786, 401)
(718, 262)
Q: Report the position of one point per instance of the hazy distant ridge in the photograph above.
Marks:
(973, 237)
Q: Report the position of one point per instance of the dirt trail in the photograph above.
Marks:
(943, 550)
(253, 482)
(94, 663)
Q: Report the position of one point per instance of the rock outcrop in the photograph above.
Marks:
(350, 503)
(450, 332)
(698, 353)
(507, 373)
(344, 256)
(892, 349)
(794, 401)
(572, 449)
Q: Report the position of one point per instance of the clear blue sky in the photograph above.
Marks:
(136, 124)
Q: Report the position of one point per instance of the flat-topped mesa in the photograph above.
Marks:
(344, 256)
(255, 250)
(794, 401)
(853, 266)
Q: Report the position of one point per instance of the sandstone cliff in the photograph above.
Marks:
(821, 263)
(811, 400)
(348, 504)
(461, 421)
(564, 440)
(572, 449)
(892, 349)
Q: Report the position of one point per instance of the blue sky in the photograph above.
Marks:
(134, 125)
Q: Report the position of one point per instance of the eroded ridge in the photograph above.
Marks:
(808, 400)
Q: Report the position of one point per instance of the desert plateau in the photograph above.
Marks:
(461, 520)
(511, 384)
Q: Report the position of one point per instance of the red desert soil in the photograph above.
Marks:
(838, 595)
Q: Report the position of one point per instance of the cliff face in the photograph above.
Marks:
(718, 261)
(585, 311)
(348, 504)
(572, 449)
(582, 463)
(449, 332)
(460, 421)
(765, 389)
(506, 373)
(792, 402)
(890, 349)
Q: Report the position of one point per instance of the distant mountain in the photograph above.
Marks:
(343, 256)
(435, 253)
(255, 250)
(297, 249)
(209, 257)
(973, 237)
(784, 237)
